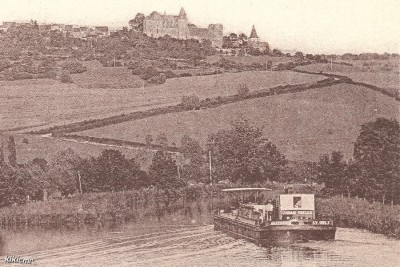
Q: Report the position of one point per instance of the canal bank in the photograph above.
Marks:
(359, 213)
(147, 205)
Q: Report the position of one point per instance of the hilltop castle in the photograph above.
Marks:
(158, 25)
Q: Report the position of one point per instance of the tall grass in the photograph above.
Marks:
(99, 208)
(353, 212)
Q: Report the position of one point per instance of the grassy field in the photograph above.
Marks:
(36, 102)
(381, 73)
(47, 148)
(98, 76)
(303, 125)
(48, 102)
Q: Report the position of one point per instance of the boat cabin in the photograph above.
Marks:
(295, 206)
(284, 207)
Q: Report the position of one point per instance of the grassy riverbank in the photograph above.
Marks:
(148, 206)
(100, 208)
(357, 213)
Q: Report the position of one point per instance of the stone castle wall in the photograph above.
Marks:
(157, 25)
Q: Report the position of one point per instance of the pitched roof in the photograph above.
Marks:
(253, 33)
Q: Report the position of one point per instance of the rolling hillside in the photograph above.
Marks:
(303, 125)
(46, 102)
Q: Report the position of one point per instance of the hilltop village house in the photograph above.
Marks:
(158, 25)
(82, 32)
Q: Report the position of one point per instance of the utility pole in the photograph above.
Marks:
(80, 183)
(212, 181)
(331, 63)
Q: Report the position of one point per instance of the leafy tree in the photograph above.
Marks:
(6, 183)
(111, 171)
(242, 154)
(299, 55)
(377, 155)
(114, 170)
(12, 157)
(193, 154)
(137, 22)
(62, 175)
(277, 53)
(163, 173)
(17, 183)
(332, 171)
(2, 161)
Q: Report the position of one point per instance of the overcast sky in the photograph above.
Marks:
(313, 26)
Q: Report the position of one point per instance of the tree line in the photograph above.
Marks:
(374, 171)
(240, 156)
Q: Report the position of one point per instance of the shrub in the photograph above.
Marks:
(17, 75)
(243, 90)
(73, 66)
(65, 77)
(158, 79)
(192, 193)
(46, 69)
(148, 73)
(4, 64)
(190, 102)
(169, 74)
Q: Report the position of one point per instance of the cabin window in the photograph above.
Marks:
(297, 202)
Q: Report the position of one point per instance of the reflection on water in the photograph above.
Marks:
(185, 245)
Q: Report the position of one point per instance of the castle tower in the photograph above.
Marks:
(182, 14)
(183, 28)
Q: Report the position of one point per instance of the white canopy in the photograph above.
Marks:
(244, 189)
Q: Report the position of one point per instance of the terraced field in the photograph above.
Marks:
(303, 125)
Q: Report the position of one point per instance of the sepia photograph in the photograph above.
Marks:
(200, 133)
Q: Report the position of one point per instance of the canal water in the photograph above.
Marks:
(157, 244)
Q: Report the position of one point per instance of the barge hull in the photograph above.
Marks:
(273, 235)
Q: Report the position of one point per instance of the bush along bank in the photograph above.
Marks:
(145, 205)
(358, 213)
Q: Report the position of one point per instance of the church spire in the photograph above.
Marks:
(182, 13)
(253, 33)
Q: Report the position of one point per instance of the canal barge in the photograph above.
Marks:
(287, 218)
